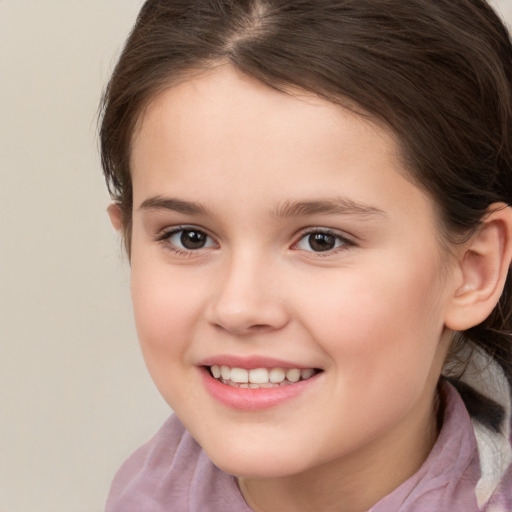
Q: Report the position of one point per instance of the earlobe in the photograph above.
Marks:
(116, 216)
(483, 262)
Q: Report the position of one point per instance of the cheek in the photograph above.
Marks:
(166, 309)
(380, 327)
(383, 342)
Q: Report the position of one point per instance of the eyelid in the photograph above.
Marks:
(169, 230)
(348, 241)
(165, 234)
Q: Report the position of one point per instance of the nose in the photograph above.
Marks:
(249, 297)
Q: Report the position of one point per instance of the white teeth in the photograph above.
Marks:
(215, 371)
(277, 375)
(225, 372)
(293, 375)
(258, 376)
(306, 373)
(239, 375)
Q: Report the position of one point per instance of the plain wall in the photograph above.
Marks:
(75, 398)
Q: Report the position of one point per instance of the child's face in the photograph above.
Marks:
(273, 231)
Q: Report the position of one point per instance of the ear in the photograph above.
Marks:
(483, 263)
(116, 216)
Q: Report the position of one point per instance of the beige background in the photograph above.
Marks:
(75, 399)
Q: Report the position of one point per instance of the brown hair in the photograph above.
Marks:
(437, 72)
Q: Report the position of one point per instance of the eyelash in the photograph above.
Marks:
(345, 243)
(165, 236)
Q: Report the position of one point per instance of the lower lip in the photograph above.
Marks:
(247, 399)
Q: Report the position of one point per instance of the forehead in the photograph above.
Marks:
(223, 105)
(223, 132)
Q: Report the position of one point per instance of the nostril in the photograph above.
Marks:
(240, 328)
(247, 314)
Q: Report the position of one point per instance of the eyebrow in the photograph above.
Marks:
(175, 205)
(333, 206)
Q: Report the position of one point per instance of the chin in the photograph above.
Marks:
(259, 462)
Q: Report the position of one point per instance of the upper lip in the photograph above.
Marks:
(250, 362)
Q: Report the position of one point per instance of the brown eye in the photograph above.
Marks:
(188, 239)
(321, 242)
(192, 239)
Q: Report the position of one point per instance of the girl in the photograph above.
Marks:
(314, 197)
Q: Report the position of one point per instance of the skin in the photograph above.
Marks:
(370, 313)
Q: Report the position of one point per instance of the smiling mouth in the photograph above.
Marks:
(260, 378)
